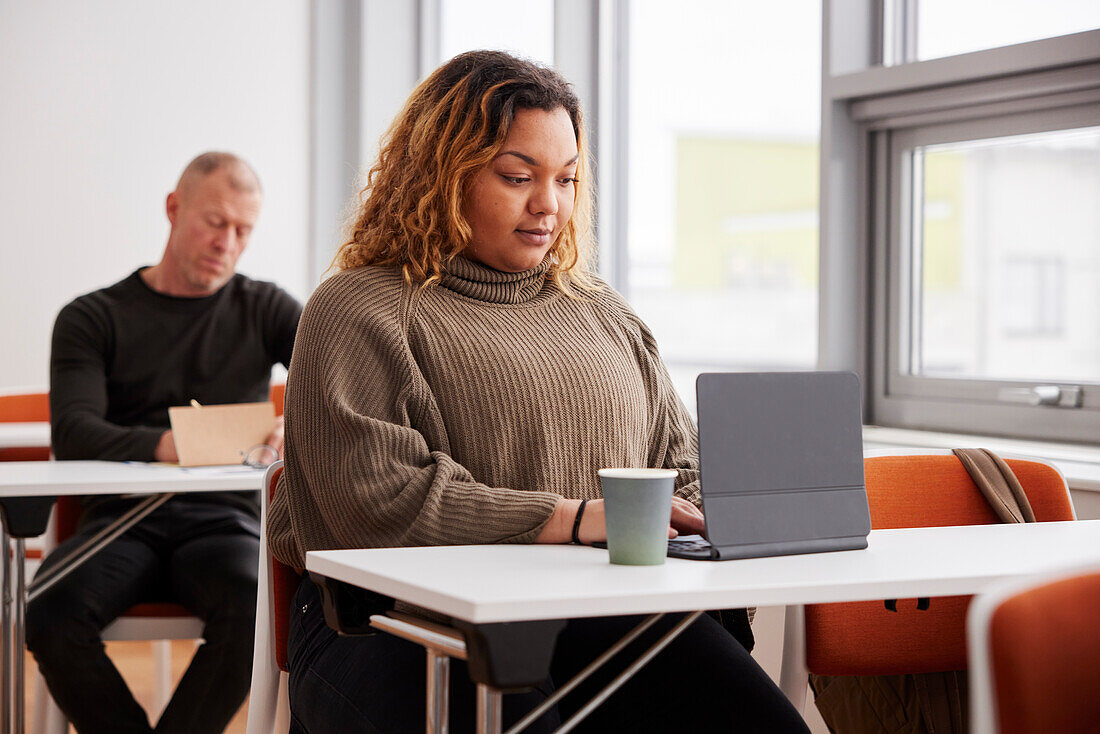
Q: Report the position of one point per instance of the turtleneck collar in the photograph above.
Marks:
(474, 280)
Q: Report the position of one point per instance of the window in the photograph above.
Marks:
(721, 183)
(950, 27)
(968, 228)
(522, 28)
(1005, 258)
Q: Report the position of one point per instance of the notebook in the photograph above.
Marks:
(220, 434)
(781, 465)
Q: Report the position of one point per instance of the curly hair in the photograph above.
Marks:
(453, 125)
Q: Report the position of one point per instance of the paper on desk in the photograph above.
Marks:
(219, 434)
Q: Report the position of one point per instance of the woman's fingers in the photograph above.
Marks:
(686, 517)
(687, 506)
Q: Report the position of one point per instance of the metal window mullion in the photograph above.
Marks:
(898, 324)
(430, 31)
(1005, 62)
(898, 32)
(910, 31)
(882, 289)
(614, 137)
(1033, 90)
(1008, 108)
(913, 252)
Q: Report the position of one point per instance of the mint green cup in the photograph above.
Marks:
(637, 505)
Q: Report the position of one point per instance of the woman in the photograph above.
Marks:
(460, 380)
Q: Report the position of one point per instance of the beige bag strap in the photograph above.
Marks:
(998, 484)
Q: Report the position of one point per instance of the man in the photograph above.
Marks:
(187, 328)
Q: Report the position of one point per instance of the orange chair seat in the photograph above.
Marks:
(864, 638)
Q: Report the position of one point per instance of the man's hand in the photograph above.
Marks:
(275, 440)
(166, 449)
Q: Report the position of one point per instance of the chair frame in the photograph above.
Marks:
(268, 701)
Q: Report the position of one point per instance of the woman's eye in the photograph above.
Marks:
(516, 179)
(567, 181)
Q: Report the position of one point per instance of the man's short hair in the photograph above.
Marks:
(206, 163)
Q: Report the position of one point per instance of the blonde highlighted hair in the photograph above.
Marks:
(453, 125)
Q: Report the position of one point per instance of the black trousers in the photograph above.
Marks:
(201, 554)
(704, 681)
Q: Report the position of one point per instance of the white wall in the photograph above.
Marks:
(101, 106)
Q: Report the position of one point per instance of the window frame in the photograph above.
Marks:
(961, 404)
(872, 115)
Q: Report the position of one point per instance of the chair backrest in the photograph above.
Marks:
(1035, 656)
(918, 490)
(67, 514)
(284, 584)
(278, 395)
(25, 408)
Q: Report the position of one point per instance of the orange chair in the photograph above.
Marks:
(1035, 656)
(25, 408)
(913, 490)
(267, 710)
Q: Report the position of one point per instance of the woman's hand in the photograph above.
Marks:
(685, 518)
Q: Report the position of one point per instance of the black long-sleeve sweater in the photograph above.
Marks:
(122, 355)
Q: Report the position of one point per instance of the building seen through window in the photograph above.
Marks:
(1009, 258)
(723, 183)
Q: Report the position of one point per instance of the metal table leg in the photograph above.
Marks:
(489, 710)
(441, 643)
(576, 680)
(633, 668)
(439, 688)
(19, 643)
(94, 544)
(14, 628)
(6, 654)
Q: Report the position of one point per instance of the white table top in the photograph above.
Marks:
(24, 435)
(48, 478)
(504, 583)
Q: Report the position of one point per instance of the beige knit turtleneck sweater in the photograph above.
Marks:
(461, 412)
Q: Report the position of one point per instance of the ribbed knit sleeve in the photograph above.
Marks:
(673, 436)
(368, 462)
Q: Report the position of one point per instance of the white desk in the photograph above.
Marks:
(28, 488)
(24, 435)
(513, 583)
(54, 478)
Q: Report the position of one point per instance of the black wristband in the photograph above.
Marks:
(577, 521)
